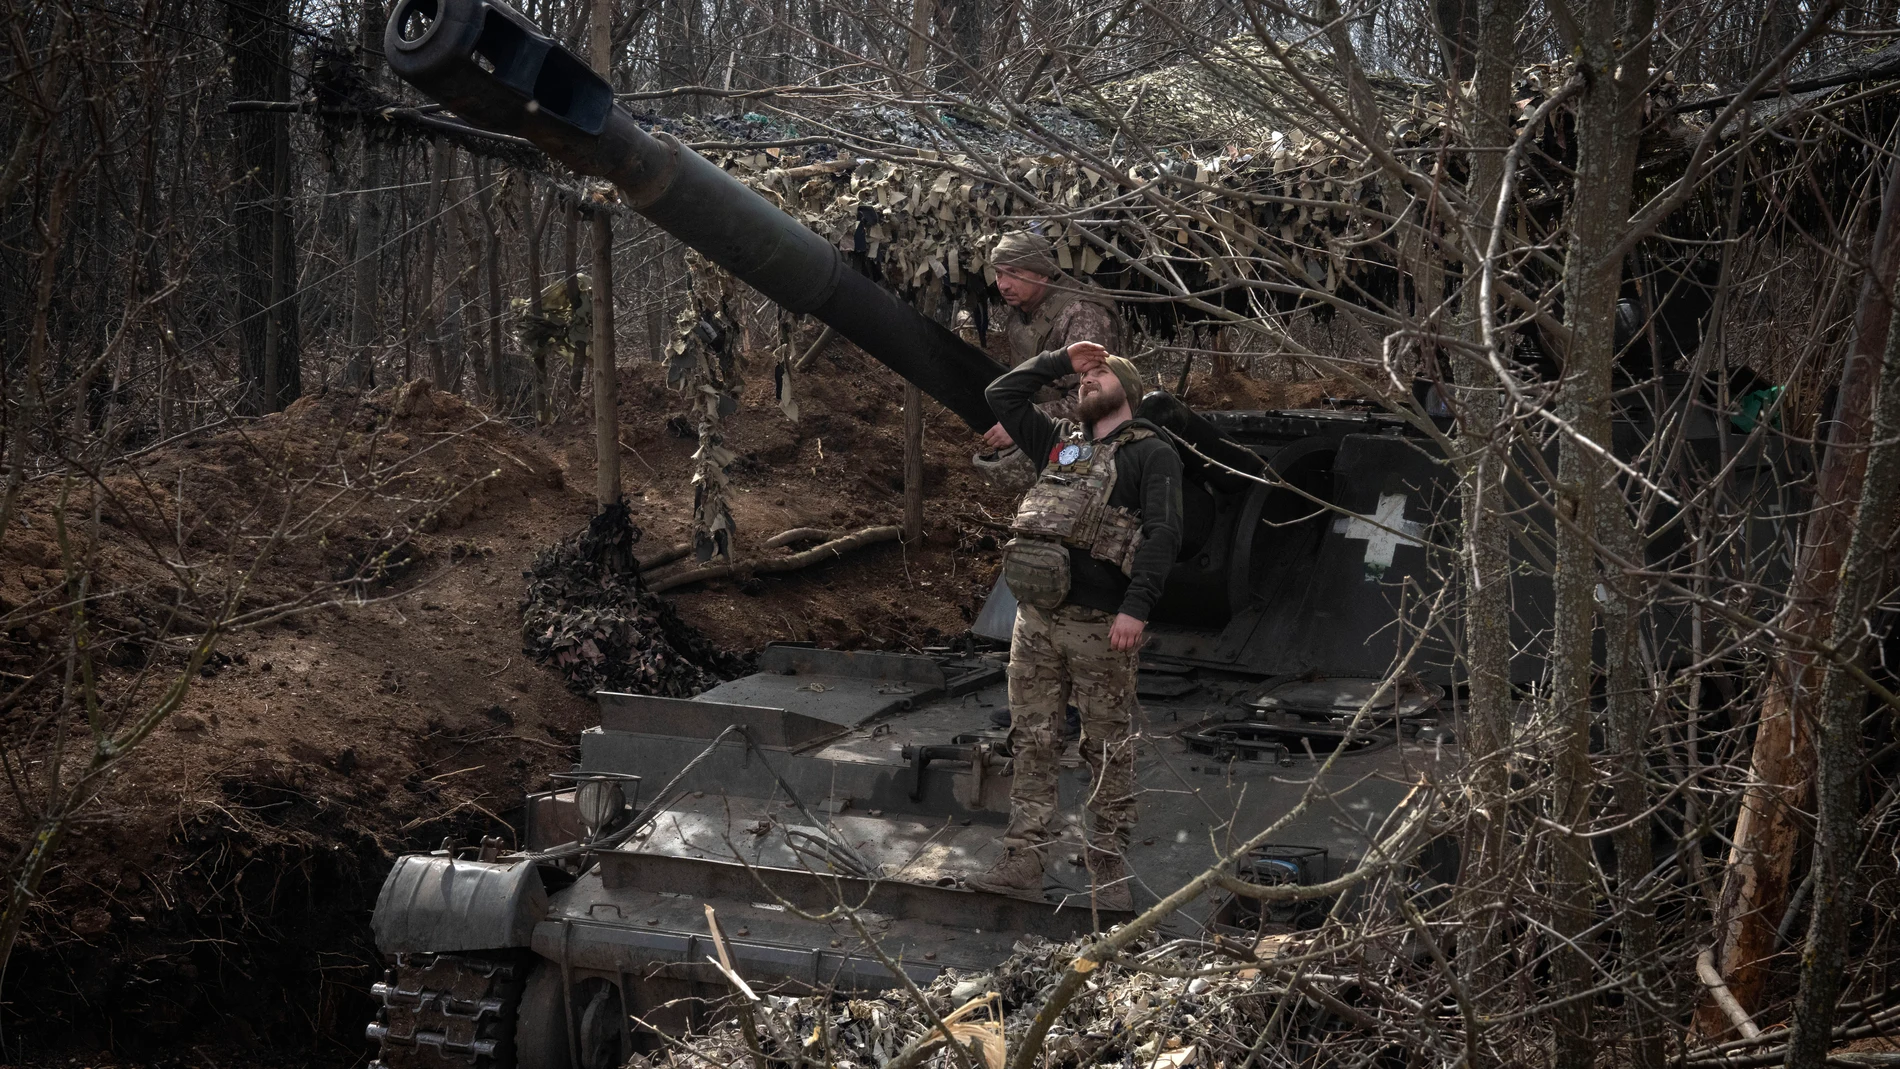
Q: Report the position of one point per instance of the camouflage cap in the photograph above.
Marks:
(1130, 378)
(1027, 251)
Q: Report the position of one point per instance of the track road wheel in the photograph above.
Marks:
(443, 1010)
(542, 1035)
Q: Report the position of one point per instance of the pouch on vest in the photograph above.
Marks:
(1037, 571)
(1117, 538)
(1057, 507)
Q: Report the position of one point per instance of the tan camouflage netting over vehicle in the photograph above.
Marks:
(1209, 163)
(1226, 190)
(1221, 172)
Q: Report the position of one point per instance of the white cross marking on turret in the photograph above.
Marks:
(1385, 531)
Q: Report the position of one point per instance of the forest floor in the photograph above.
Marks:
(213, 907)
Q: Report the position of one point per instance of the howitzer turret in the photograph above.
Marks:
(494, 69)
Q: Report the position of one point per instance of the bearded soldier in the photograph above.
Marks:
(1095, 537)
(1048, 310)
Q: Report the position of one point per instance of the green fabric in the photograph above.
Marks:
(1748, 411)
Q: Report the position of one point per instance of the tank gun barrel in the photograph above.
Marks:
(489, 65)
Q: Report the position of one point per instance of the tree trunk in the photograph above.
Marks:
(1837, 743)
(917, 55)
(656, 308)
(578, 370)
(406, 315)
(1768, 830)
(1459, 24)
(23, 421)
(462, 349)
(491, 266)
(1486, 440)
(606, 383)
(1608, 119)
(678, 47)
(265, 262)
(439, 155)
(366, 263)
(1629, 698)
(535, 224)
(606, 379)
(913, 463)
(280, 239)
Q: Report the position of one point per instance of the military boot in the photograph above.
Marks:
(1112, 890)
(1017, 873)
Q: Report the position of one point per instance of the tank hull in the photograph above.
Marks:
(834, 861)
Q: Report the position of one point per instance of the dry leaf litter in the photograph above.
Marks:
(1124, 1016)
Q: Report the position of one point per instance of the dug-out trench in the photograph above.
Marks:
(256, 951)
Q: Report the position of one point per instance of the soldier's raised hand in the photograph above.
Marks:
(1086, 356)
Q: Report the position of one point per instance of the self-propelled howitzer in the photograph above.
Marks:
(876, 780)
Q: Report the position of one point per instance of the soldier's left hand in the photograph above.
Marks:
(1125, 633)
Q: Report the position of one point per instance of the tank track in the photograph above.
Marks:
(447, 1010)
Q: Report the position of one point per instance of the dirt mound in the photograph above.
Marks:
(376, 698)
(839, 467)
(372, 699)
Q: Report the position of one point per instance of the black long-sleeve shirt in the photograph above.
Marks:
(1147, 482)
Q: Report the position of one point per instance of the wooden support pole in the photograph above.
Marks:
(534, 226)
(913, 462)
(917, 57)
(606, 382)
(571, 263)
(491, 261)
(274, 322)
(366, 266)
(431, 299)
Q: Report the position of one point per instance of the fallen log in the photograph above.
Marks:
(802, 534)
(818, 554)
(667, 556)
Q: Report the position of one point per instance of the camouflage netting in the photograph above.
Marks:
(1219, 174)
(701, 364)
(1241, 94)
(588, 615)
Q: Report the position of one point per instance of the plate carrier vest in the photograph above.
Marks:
(1068, 508)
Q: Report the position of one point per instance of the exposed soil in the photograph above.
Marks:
(217, 898)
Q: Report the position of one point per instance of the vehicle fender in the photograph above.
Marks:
(433, 903)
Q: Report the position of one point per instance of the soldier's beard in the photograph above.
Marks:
(1093, 406)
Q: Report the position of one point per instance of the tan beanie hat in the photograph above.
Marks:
(1027, 251)
(1124, 370)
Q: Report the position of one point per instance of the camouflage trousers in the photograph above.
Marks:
(1056, 659)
